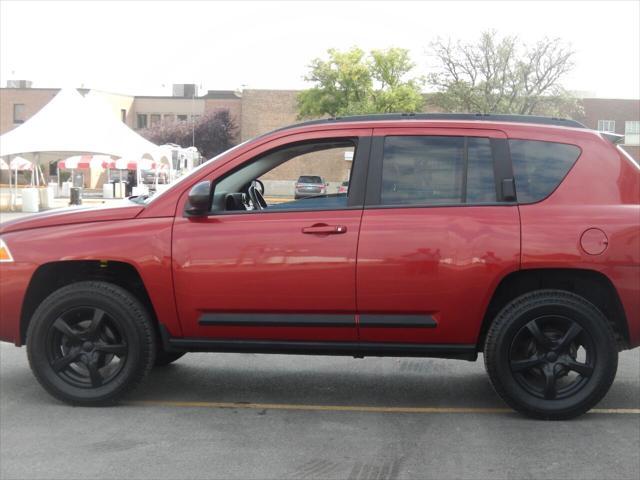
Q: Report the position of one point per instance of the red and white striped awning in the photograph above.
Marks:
(86, 161)
(105, 161)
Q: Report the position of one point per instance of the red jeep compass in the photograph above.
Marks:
(518, 237)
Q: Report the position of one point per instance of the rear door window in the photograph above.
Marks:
(437, 170)
(422, 170)
(539, 167)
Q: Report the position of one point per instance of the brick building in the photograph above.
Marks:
(258, 111)
(617, 116)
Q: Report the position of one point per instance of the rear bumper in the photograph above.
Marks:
(14, 281)
(626, 281)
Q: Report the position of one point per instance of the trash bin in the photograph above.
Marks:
(75, 197)
(30, 200)
(46, 197)
(78, 180)
(108, 190)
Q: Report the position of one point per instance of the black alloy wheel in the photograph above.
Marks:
(89, 343)
(86, 347)
(552, 357)
(551, 354)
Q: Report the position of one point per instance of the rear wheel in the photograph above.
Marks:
(89, 343)
(551, 354)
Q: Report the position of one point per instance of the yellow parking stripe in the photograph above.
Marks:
(348, 408)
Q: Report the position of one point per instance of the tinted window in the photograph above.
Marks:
(481, 186)
(539, 167)
(422, 170)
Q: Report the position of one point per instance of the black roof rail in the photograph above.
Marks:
(485, 117)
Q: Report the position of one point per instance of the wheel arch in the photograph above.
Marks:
(49, 277)
(592, 285)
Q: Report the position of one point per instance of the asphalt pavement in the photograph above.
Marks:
(233, 416)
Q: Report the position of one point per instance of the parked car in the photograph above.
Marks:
(149, 177)
(343, 187)
(309, 186)
(516, 237)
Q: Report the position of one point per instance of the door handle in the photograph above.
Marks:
(325, 229)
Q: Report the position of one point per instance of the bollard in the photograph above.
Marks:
(75, 196)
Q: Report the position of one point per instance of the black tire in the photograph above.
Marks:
(534, 349)
(166, 358)
(90, 343)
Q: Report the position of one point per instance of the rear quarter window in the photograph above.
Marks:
(539, 167)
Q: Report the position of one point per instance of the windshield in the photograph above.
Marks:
(146, 199)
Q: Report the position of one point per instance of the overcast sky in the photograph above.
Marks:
(144, 47)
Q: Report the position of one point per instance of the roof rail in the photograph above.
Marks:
(485, 117)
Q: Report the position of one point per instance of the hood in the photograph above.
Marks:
(67, 216)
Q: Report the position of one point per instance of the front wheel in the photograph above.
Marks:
(551, 354)
(89, 343)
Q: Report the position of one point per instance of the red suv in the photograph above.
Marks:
(518, 237)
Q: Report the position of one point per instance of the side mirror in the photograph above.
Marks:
(199, 199)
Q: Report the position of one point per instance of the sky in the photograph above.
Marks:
(142, 48)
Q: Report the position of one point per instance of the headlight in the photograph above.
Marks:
(5, 254)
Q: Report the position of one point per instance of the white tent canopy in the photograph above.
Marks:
(16, 163)
(71, 124)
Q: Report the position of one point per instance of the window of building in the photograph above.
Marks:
(607, 126)
(142, 120)
(632, 132)
(182, 118)
(154, 119)
(18, 113)
(539, 167)
(123, 115)
(169, 118)
(195, 118)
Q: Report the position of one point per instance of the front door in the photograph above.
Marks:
(437, 234)
(285, 272)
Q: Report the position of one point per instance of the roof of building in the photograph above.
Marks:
(222, 94)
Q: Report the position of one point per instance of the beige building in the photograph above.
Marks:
(254, 111)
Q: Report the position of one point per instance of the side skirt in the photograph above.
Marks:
(354, 349)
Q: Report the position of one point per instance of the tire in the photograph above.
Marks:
(166, 358)
(90, 343)
(551, 354)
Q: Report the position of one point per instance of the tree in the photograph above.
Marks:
(351, 83)
(503, 76)
(214, 132)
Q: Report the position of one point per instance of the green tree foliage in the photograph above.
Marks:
(503, 75)
(351, 83)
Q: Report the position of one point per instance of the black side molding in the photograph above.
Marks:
(397, 321)
(277, 320)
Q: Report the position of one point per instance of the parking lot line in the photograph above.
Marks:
(354, 408)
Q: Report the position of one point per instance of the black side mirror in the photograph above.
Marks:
(199, 199)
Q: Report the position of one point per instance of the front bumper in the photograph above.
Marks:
(14, 281)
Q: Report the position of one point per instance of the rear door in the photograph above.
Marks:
(439, 230)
